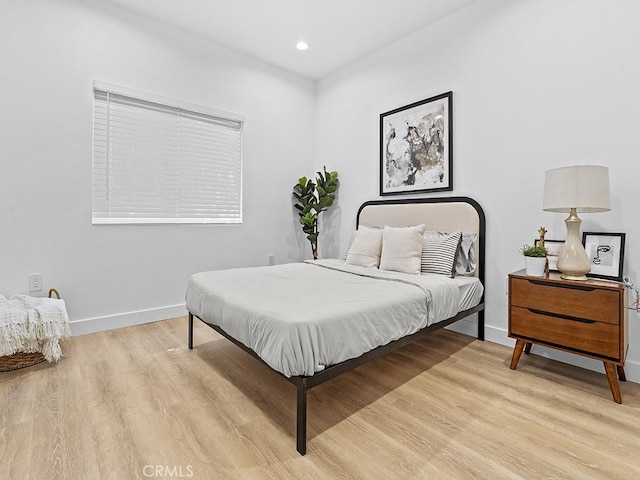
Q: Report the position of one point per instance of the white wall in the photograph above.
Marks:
(537, 84)
(51, 52)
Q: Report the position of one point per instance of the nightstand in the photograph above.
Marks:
(587, 318)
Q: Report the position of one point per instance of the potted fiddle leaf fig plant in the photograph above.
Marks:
(313, 198)
(535, 259)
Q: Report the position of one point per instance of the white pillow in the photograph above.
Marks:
(402, 249)
(353, 235)
(439, 253)
(366, 247)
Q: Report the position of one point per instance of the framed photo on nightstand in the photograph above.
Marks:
(606, 254)
(553, 252)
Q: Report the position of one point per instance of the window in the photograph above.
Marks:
(157, 160)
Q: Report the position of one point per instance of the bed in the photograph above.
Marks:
(362, 312)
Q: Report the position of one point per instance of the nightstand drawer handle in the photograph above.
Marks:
(559, 285)
(558, 315)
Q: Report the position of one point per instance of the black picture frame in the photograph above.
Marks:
(553, 249)
(606, 254)
(416, 147)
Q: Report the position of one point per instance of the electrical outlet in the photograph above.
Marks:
(35, 282)
(272, 259)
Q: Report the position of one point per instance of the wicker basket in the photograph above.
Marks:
(21, 359)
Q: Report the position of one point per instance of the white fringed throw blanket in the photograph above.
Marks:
(29, 324)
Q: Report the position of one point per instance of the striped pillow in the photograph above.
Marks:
(466, 261)
(439, 253)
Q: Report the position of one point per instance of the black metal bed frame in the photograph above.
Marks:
(304, 383)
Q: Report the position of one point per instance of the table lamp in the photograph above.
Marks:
(573, 190)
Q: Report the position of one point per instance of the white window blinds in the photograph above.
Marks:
(155, 161)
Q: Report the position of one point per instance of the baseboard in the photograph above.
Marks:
(467, 326)
(109, 322)
(500, 336)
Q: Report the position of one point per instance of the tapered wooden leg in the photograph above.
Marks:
(190, 337)
(621, 375)
(527, 348)
(517, 352)
(612, 377)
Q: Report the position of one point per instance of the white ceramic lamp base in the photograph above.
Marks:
(573, 261)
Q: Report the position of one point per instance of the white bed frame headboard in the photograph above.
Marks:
(445, 214)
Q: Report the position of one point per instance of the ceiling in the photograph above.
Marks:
(338, 32)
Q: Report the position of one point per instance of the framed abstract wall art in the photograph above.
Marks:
(416, 147)
(606, 254)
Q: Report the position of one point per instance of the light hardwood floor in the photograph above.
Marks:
(136, 403)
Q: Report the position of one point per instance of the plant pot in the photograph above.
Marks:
(535, 266)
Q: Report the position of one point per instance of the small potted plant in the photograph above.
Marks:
(535, 259)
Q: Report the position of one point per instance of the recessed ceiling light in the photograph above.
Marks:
(302, 45)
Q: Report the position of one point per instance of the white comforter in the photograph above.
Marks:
(301, 317)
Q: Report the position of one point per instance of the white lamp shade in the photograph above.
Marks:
(583, 187)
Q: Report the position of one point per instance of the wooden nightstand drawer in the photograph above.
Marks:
(573, 300)
(595, 338)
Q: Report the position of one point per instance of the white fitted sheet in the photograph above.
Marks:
(471, 290)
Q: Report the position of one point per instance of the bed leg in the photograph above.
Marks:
(190, 339)
(301, 427)
(481, 325)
